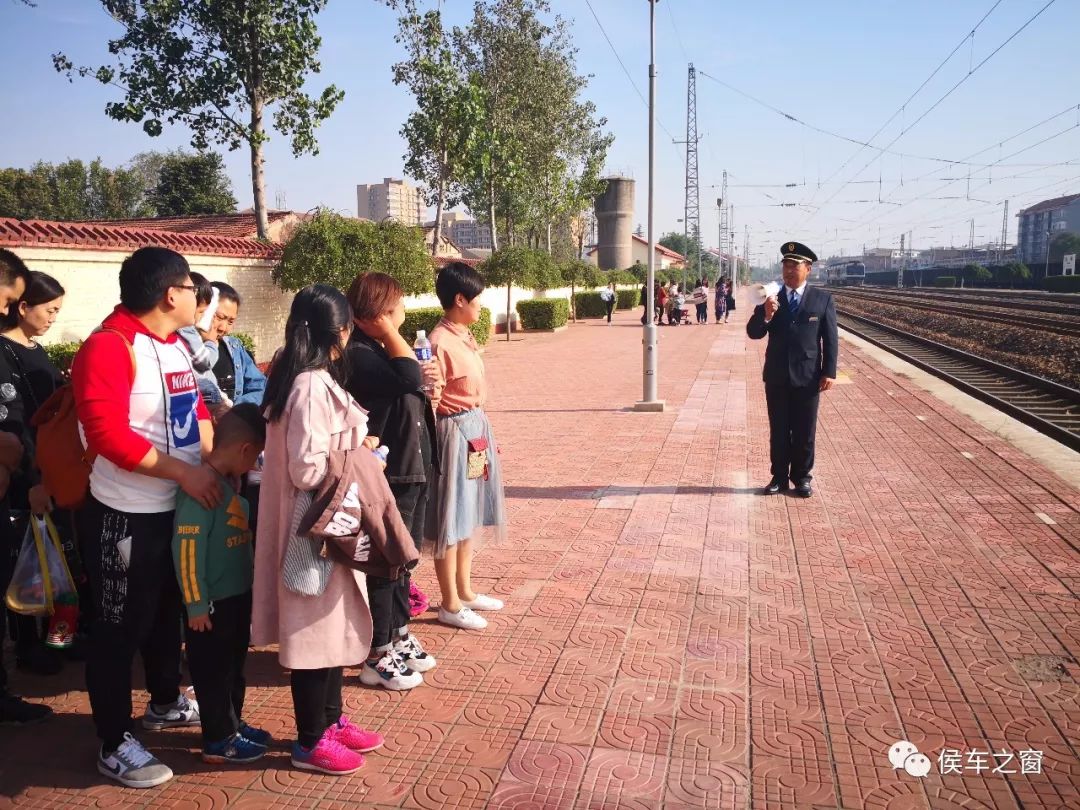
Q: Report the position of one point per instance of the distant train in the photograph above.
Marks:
(847, 273)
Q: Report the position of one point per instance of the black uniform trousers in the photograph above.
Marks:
(216, 660)
(792, 429)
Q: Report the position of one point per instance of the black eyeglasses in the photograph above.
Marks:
(191, 287)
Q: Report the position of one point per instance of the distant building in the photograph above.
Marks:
(1043, 220)
(466, 232)
(665, 257)
(448, 248)
(393, 199)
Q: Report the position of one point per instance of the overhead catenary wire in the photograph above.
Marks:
(900, 110)
(622, 64)
(971, 72)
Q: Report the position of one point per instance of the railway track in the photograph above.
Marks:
(1047, 303)
(978, 311)
(1048, 407)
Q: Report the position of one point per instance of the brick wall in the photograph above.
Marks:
(90, 278)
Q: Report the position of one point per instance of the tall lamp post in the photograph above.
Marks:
(649, 401)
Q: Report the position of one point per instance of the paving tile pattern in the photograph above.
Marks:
(671, 639)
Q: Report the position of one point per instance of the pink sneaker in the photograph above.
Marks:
(354, 737)
(418, 601)
(328, 756)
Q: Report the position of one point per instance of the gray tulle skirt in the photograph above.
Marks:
(459, 506)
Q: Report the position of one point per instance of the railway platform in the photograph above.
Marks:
(672, 639)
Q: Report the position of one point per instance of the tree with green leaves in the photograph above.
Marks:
(441, 130)
(192, 184)
(71, 191)
(332, 249)
(1063, 244)
(515, 267)
(1014, 272)
(217, 68)
(576, 273)
(539, 149)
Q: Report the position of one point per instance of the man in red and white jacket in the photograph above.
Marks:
(140, 411)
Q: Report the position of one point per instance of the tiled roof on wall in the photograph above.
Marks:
(17, 233)
(241, 224)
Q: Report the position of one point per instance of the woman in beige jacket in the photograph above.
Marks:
(315, 610)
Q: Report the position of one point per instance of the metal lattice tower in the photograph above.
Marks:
(692, 207)
(725, 230)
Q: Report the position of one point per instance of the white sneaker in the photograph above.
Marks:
(484, 602)
(184, 712)
(413, 654)
(464, 618)
(390, 672)
(133, 766)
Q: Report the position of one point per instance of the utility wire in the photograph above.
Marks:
(948, 93)
(902, 107)
(675, 28)
(622, 64)
(833, 134)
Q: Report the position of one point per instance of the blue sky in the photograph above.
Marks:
(840, 65)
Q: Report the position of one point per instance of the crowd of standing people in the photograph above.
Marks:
(671, 302)
(226, 509)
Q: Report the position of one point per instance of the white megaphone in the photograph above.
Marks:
(760, 292)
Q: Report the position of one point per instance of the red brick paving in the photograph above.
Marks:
(673, 640)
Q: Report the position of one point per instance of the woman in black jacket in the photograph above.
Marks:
(33, 378)
(387, 381)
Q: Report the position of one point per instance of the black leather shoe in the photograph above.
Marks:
(803, 490)
(775, 487)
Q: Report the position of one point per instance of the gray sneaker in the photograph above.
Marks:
(133, 766)
(184, 712)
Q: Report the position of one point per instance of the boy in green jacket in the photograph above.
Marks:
(214, 559)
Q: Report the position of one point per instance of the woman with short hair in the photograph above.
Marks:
(466, 493)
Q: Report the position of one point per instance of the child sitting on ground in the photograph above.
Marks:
(214, 559)
(201, 340)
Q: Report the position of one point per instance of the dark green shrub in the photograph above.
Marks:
(482, 328)
(945, 281)
(544, 313)
(1062, 283)
(245, 340)
(61, 354)
(427, 318)
(332, 249)
(627, 299)
(589, 305)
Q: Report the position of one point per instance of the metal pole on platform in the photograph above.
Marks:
(650, 352)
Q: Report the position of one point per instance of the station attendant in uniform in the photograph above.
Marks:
(800, 363)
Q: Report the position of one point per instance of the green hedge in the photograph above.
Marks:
(544, 313)
(589, 305)
(245, 340)
(427, 318)
(945, 281)
(61, 354)
(627, 299)
(1062, 283)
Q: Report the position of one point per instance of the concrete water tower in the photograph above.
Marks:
(615, 224)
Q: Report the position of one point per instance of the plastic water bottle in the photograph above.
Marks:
(422, 349)
(382, 452)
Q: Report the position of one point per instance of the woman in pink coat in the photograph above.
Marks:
(314, 609)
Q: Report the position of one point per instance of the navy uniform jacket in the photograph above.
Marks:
(801, 350)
